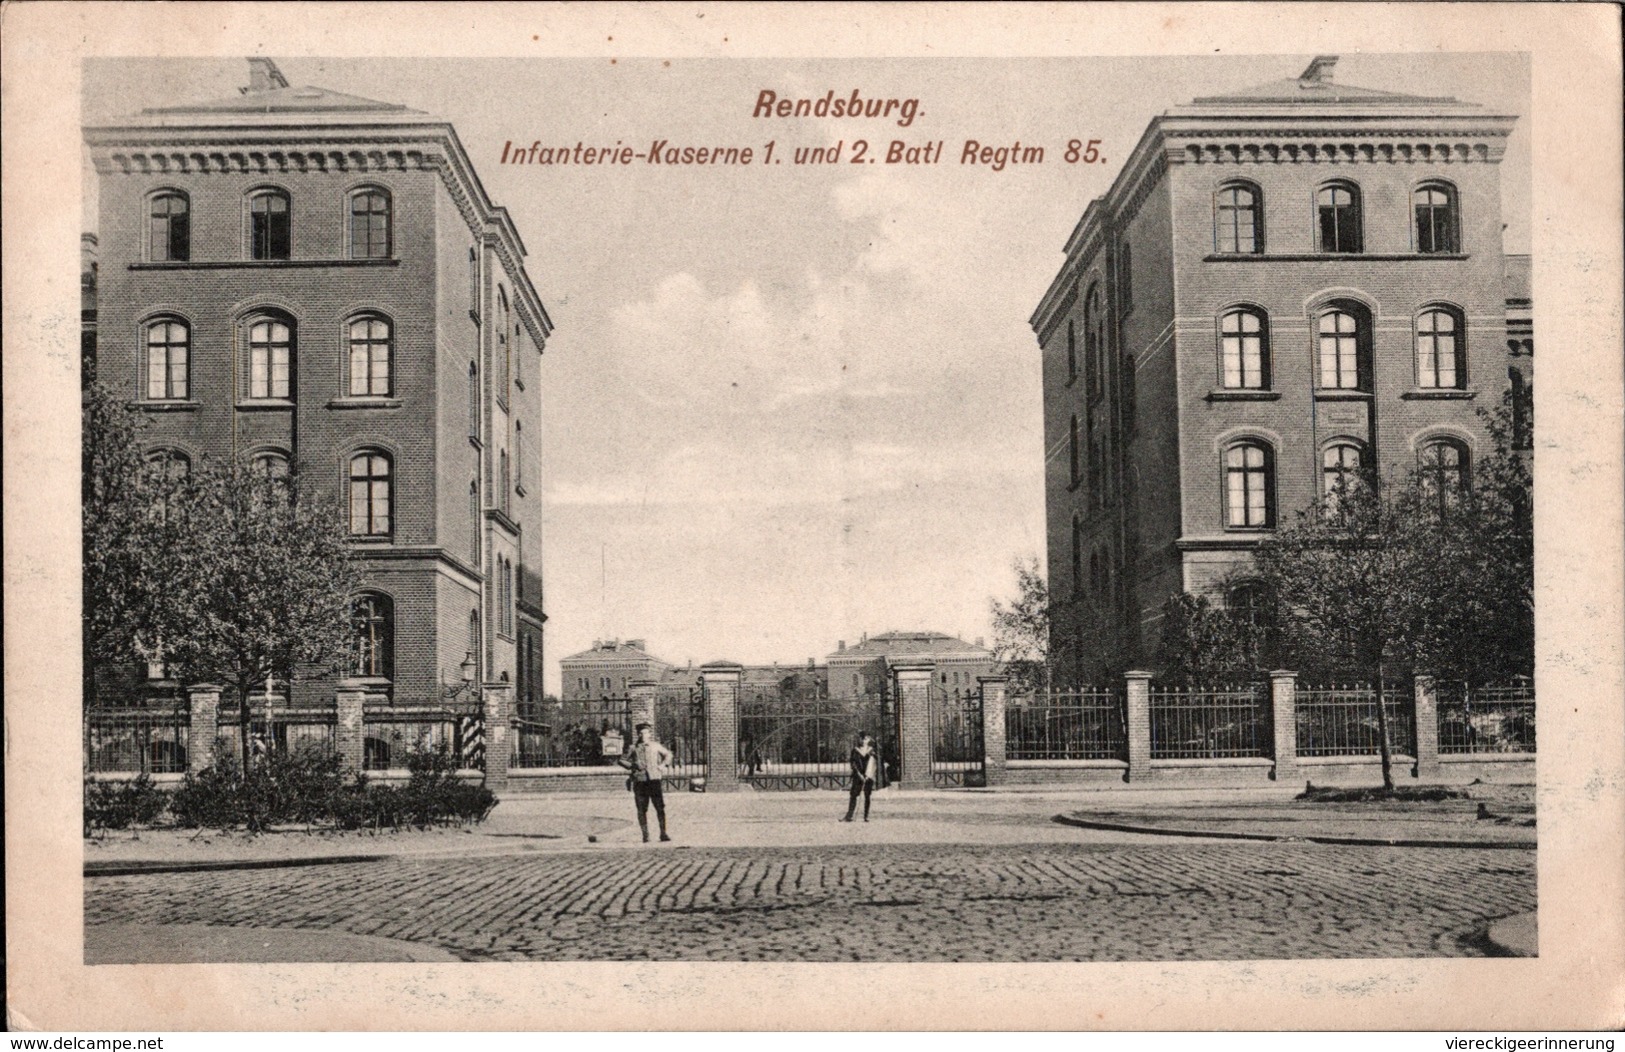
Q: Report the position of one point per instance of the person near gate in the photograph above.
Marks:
(649, 762)
(865, 763)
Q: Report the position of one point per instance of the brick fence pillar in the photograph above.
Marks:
(1137, 706)
(203, 712)
(1284, 720)
(1427, 728)
(914, 724)
(644, 693)
(350, 730)
(721, 683)
(993, 691)
(496, 705)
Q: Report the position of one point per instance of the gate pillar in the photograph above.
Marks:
(914, 727)
(720, 680)
(643, 692)
(203, 719)
(496, 705)
(349, 731)
(1137, 707)
(993, 688)
(1427, 728)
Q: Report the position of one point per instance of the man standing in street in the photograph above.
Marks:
(648, 761)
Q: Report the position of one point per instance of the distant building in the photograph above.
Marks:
(609, 667)
(1284, 286)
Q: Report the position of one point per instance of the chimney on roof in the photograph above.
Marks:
(634, 644)
(980, 643)
(1320, 70)
(263, 76)
(840, 646)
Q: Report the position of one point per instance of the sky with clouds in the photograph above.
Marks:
(786, 405)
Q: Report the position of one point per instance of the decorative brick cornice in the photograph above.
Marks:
(362, 147)
(1336, 146)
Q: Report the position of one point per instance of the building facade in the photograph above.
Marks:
(1283, 286)
(307, 281)
(609, 667)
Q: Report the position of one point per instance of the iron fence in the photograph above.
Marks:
(1205, 723)
(391, 738)
(680, 727)
(1082, 724)
(1341, 720)
(137, 741)
(958, 757)
(283, 734)
(800, 741)
(586, 732)
(1486, 719)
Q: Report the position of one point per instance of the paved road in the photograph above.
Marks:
(874, 902)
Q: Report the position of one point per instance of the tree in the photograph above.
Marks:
(131, 540)
(1205, 643)
(219, 572)
(1354, 580)
(1021, 630)
(272, 584)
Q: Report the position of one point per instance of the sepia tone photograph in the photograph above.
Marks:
(886, 510)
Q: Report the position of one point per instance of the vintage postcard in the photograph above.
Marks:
(619, 518)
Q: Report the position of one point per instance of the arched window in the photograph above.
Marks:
(1445, 471)
(1072, 449)
(1438, 227)
(1125, 278)
(1077, 557)
(504, 480)
(1094, 342)
(270, 358)
(1342, 469)
(372, 353)
(1238, 219)
(1248, 603)
(1337, 209)
(369, 223)
(474, 401)
(370, 513)
(270, 226)
(374, 620)
(474, 522)
(1438, 349)
(1344, 334)
(1071, 351)
(169, 231)
(166, 470)
(169, 344)
(504, 346)
(1249, 486)
(269, 470)
(518, 455)
(168, 465)
(475, 648)
(1244, 354)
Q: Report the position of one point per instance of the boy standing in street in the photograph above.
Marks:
(649, 762)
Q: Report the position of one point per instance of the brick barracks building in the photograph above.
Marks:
(298, 277)
(1282, 286)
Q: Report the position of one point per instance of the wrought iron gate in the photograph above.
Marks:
(800, 740)
(680, 726)
(958, 758)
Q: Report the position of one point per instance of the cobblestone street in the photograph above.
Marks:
(1180, 900)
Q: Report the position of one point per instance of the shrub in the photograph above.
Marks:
(211, 798)
(120, 805)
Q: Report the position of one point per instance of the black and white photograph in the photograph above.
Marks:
(864, 506)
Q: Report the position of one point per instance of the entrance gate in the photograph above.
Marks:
(801, 741)
(958, 759)
(680, 727)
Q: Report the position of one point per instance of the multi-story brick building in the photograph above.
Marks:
(307, 280)
(1284, 285)
(609, 667)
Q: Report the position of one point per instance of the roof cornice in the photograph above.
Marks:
(362, 146)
